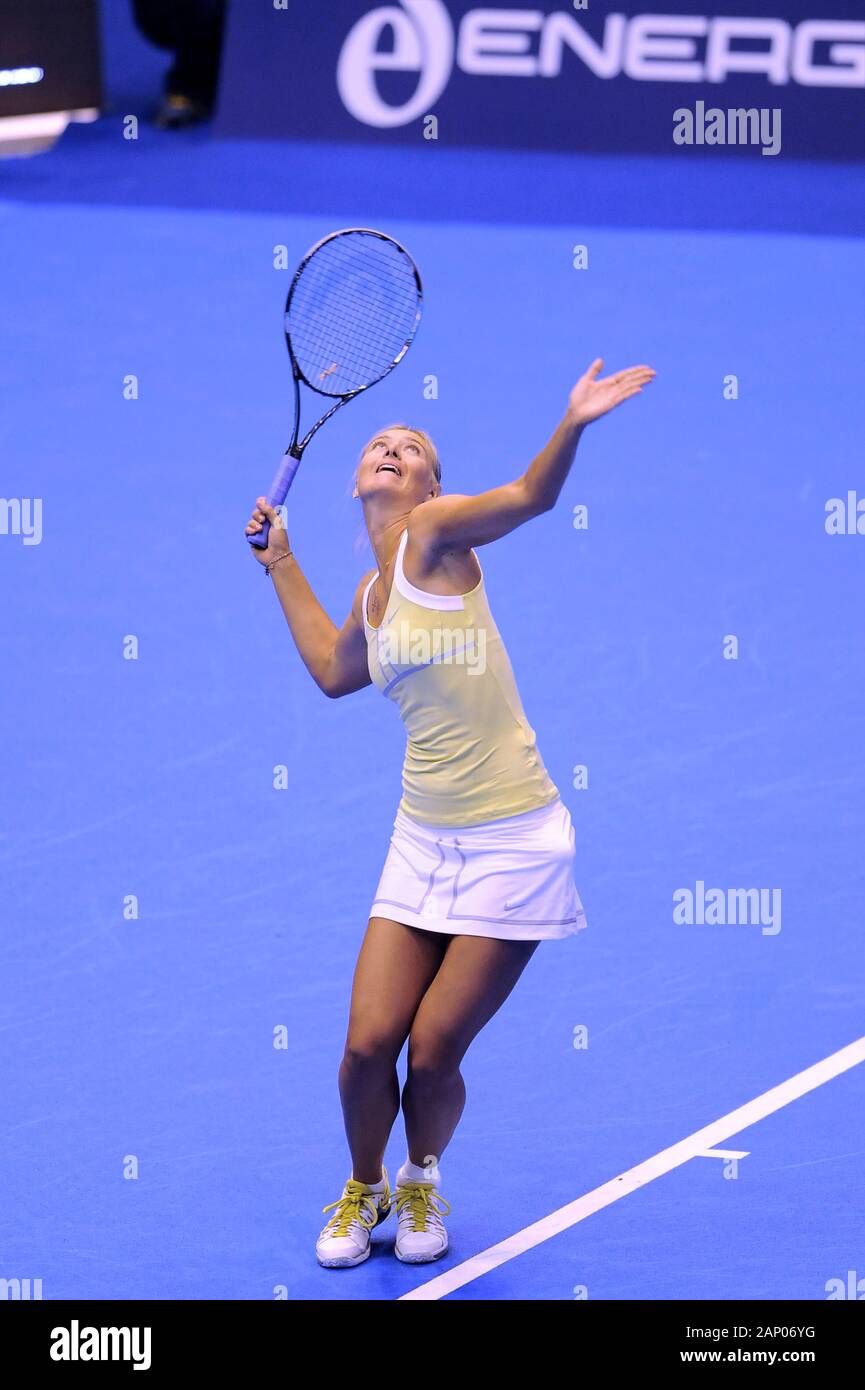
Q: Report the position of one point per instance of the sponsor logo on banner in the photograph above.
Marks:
(425, 41)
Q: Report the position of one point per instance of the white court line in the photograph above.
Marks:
(663, 1162)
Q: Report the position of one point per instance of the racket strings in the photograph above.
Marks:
(353, 312)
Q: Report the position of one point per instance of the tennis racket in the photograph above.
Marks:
(352, 311)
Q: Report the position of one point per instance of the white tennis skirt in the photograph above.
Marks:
(510, 878)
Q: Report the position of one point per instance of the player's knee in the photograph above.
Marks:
(371, 1047)
(433, 1057)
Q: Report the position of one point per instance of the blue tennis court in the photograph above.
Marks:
(181, 921)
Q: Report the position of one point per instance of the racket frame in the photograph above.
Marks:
(294, 453)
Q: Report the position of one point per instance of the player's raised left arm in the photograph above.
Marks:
(462, 522)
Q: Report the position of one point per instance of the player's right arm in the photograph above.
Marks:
(336, 658)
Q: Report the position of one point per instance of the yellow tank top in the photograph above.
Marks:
(471, 754)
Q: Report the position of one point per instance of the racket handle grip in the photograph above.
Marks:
(276, 496)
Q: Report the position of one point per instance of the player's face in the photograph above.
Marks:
(396, 461)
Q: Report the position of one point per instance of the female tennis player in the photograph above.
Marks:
(479, 869)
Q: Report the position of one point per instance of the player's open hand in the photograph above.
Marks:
(594, 395)
(277, 540)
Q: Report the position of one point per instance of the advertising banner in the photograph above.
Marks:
(757, 78)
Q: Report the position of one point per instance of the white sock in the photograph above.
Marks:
(411, 1172)
(377, 1186)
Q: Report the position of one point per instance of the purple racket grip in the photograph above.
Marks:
(276, 496)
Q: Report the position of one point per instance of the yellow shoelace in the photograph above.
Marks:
(420, 1198)
(356, 1204)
